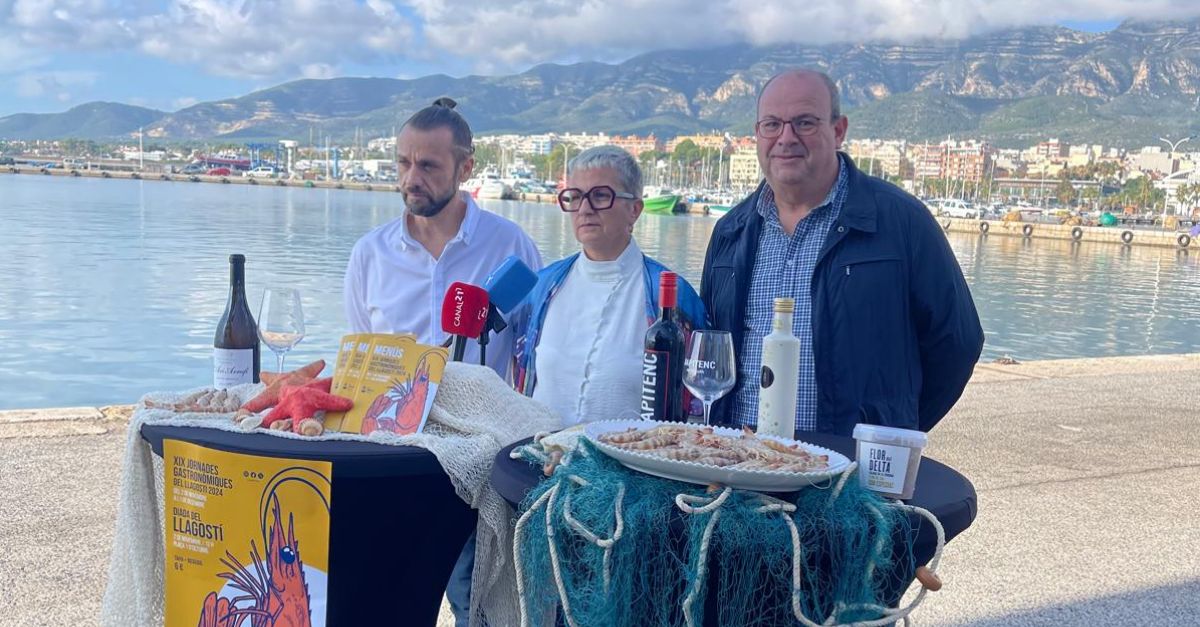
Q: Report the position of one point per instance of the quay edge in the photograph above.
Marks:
(1067, 233)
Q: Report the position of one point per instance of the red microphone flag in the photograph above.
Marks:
(464, 312)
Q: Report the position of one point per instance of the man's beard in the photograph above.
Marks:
(431, 208)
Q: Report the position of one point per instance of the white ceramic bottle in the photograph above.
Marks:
(780, 377)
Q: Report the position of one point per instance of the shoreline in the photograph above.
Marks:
(232, 180)
(1125, 236)
(96, 420)
(698, 209)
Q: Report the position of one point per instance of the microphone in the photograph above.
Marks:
(506, 286)
(464, 313)
(509, 283)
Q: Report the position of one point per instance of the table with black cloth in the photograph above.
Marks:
(940, 489)
(396, 525)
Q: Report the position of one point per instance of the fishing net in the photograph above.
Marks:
(599, 544)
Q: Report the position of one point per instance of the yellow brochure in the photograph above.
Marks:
(395, 386)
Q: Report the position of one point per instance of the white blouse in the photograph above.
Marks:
(589, 354)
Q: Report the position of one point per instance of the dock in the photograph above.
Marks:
(1124, 235)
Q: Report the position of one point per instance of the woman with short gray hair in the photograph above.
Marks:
(582, 328)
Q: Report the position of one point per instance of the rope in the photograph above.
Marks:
(702, 566)
(837, 489)
(684, 501)
(558, 580)
(518, 540)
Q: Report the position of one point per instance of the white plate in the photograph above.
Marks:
(703, 474)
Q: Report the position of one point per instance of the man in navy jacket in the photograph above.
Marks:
(888, 329)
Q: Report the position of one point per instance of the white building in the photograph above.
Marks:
(1171, 184)
(383, 144)
(583, 141)
(536, 144)
(744, 172)
(135, 155)
(1152, 159)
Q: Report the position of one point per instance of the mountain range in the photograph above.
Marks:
(1127, 87)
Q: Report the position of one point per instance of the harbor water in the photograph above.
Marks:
(112, 288)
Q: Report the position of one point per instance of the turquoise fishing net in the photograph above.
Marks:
(856, 551)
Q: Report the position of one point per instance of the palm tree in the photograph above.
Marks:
(1188, 195)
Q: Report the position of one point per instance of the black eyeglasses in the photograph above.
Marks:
(804, 125)
(599, 198)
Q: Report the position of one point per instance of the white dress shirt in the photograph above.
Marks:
(393, 284)
(589, 355)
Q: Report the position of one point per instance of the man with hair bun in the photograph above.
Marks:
(399, 272)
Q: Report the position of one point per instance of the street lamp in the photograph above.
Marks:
(1173, 145)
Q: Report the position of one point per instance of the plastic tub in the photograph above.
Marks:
(888, 459)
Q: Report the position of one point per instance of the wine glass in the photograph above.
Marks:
(280, 320)
(709, 371)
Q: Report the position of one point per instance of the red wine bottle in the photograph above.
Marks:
(662, 359)
(236, 347)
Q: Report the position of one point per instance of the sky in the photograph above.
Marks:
(169, 54)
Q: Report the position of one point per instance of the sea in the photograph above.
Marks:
(112, 288)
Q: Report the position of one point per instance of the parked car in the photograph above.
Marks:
(194, 168)
(74, 164)
(261, 172)
(957, 209)
(7, 161)
(219, 172)
(357, 175)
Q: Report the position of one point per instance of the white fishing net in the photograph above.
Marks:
(474, 415)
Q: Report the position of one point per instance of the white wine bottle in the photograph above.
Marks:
(777, 387)
(236, 345)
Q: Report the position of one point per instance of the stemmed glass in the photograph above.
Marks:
(280, 320)
(709, 371)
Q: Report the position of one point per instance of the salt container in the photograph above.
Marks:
(888, 459)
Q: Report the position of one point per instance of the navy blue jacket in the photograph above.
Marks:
(895, 331)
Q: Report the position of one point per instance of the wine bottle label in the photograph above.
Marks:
(232, 366)
(656, 370)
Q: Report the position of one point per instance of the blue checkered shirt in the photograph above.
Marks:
(784, 268)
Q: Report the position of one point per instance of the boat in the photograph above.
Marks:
(660, 201)
(474, 185)
(718, 210)
(494, 189)
(662, 205)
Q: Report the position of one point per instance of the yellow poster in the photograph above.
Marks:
(247, 539)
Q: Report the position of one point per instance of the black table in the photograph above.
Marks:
(396, 525)
(940, 489)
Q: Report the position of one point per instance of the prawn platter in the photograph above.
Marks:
(716, 455)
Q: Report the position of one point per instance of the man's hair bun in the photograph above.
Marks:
(445, 102)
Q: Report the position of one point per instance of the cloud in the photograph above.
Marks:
(75, 24)
(271, 40)
(183, 103)
(516, 33)
(257, 39)
(57, 84)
